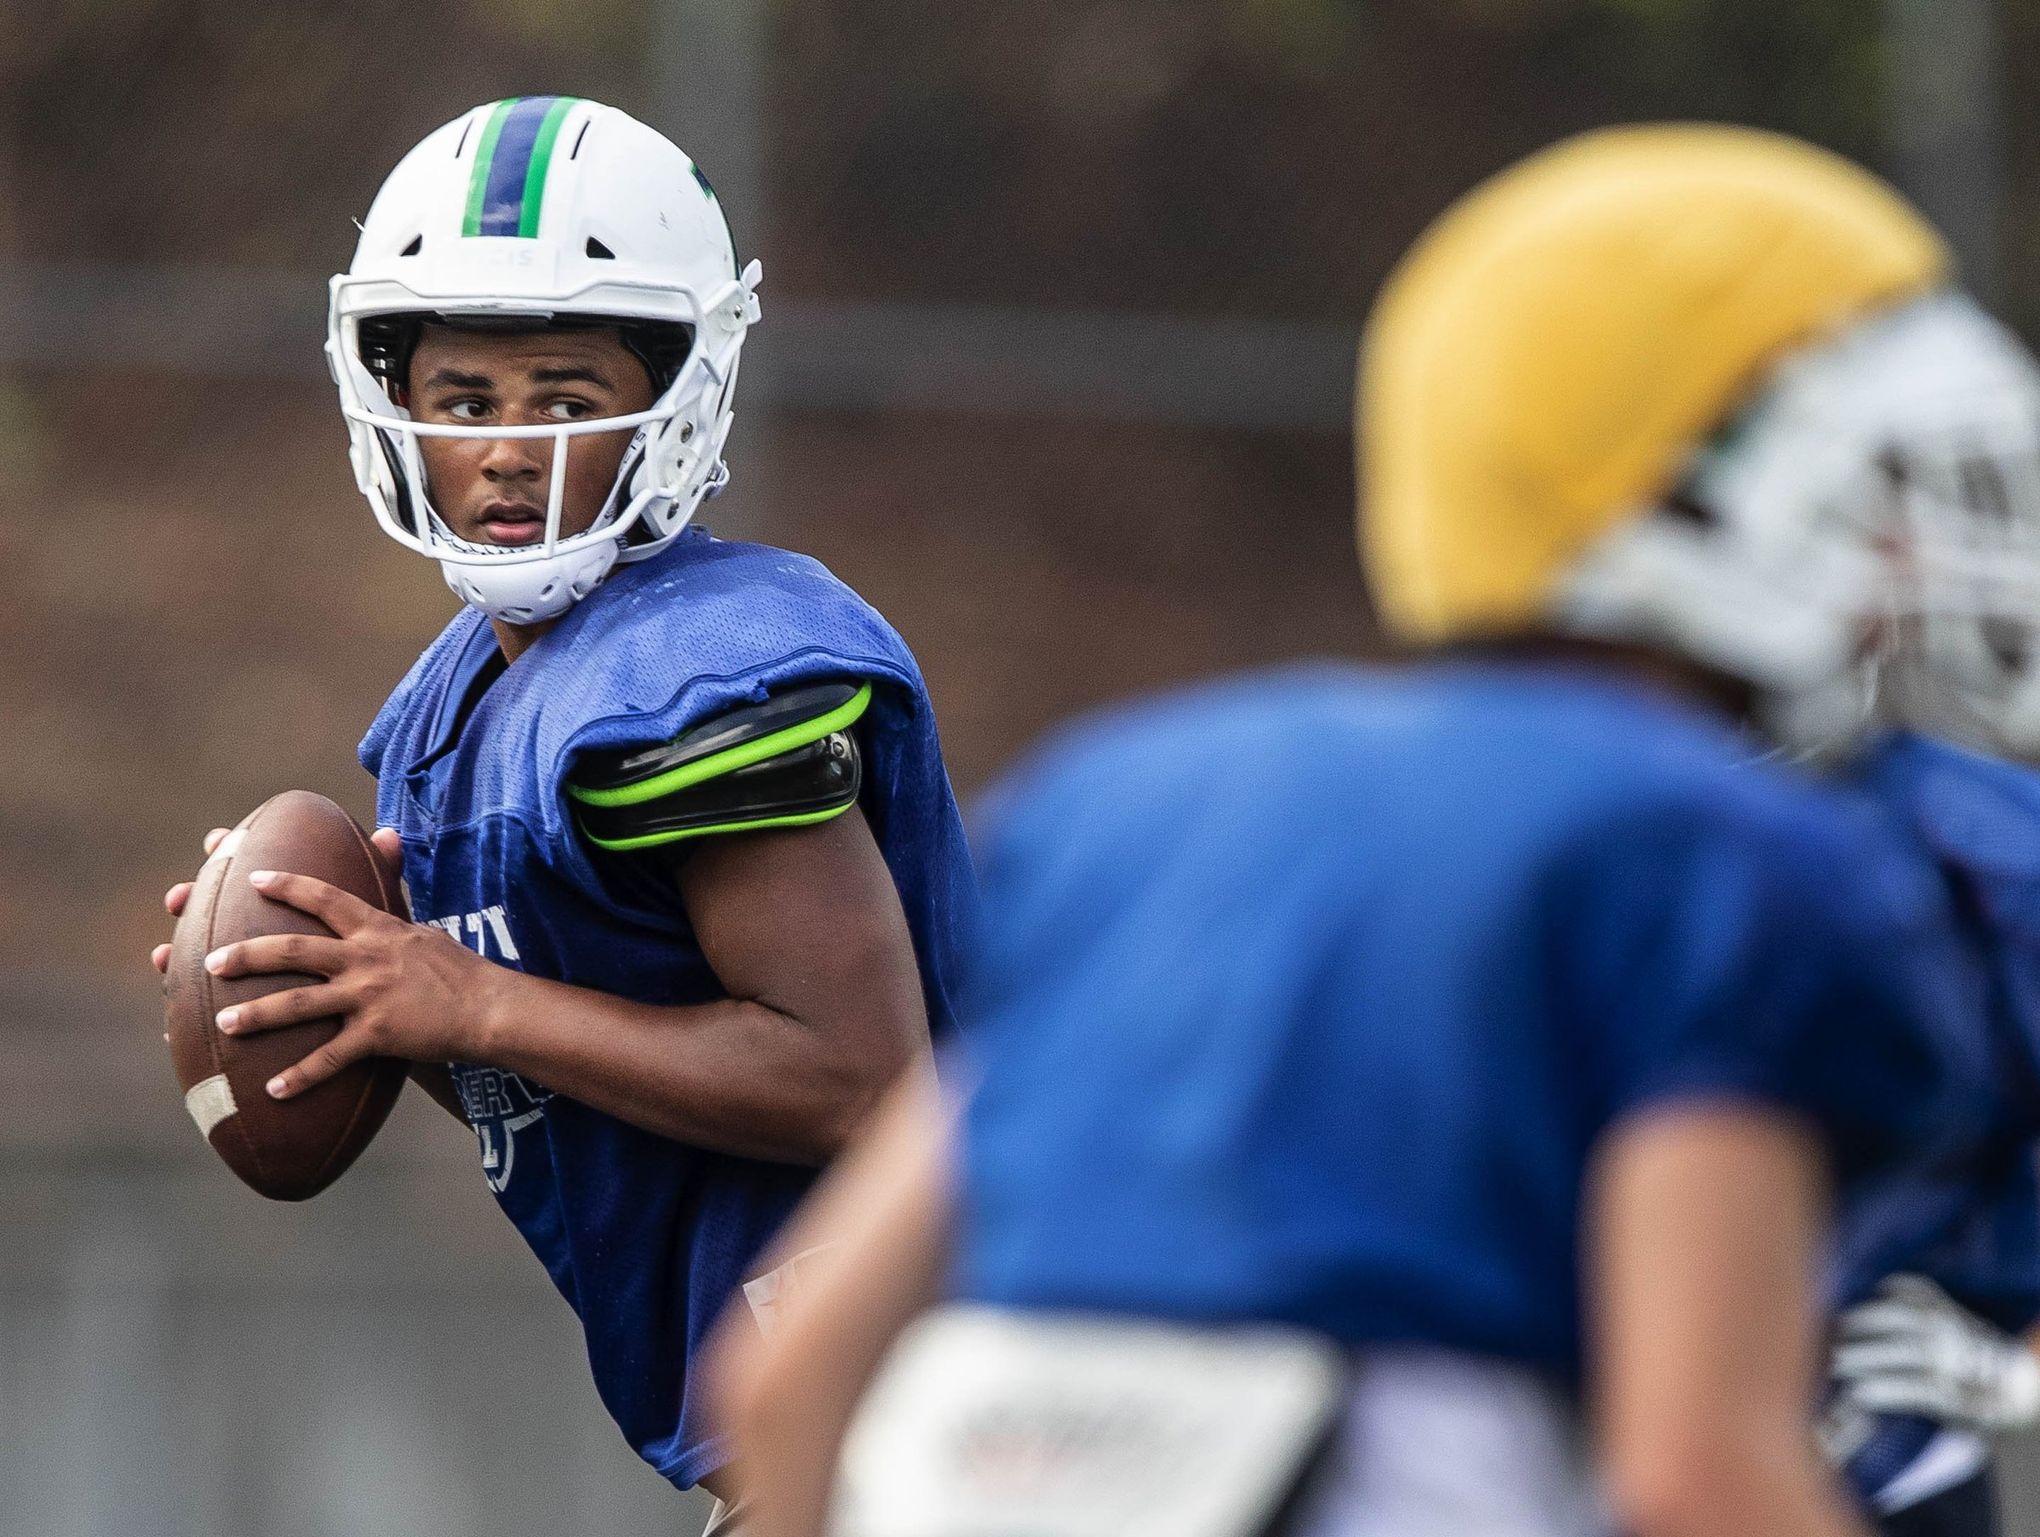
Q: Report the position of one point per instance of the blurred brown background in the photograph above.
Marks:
(1060, 304)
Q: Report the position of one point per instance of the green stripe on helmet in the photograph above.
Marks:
(485, 155)
(541, 162)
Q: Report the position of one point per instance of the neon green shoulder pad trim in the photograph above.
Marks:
(725, 762)
(653, 840)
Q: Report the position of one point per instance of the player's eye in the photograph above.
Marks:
(569, 410)
(468, 410)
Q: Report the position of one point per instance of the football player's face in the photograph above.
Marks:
(494, 490)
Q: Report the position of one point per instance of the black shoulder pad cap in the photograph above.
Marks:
(786, 762)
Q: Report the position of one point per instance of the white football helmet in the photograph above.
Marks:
(1862, 544)
(540, 209)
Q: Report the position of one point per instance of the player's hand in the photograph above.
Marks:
(401, 989)
(1912, 1349)
(175, 898)
(386, 841)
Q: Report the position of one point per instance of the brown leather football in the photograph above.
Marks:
(286, 1149)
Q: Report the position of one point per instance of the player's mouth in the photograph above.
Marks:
(512, 523)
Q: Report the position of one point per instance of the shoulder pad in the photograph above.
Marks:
(787, 762)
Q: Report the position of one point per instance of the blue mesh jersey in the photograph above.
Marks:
(1974, 1226)
(1340, 975)
(647, 1238)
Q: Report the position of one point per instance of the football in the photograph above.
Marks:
(291, 1149)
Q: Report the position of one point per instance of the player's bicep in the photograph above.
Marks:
(753, 817)
(791, 761)
(805, 920)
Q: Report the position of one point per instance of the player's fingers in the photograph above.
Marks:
(317, 953)
(175, 898)
(1915, 1289)
(389, 843)
(1875, 1319)
(343, 1051)
(160, 958)
(290, 1006)
(1899, 1396)
(340, 911)
(212, 839)
(1857, 1361)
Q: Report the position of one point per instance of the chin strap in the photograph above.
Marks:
(530, 591)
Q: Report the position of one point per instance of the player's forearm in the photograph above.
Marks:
(733, 1075)
(880, 1222)
(1739, 1483)
(1705, 1231)
(436, 1083)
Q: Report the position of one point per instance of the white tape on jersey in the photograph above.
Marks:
(210, 1102)
(770, 1294)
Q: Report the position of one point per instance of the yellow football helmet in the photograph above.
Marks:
(1706, 388)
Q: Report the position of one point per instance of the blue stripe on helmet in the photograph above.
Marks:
(503, 198)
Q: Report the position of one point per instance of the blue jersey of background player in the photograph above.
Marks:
(1413, 944)
(1942, 1279)
(671, 811)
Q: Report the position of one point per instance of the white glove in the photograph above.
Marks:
(1912, 1349)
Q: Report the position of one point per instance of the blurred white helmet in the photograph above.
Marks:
(529, 211)
(1863, 543)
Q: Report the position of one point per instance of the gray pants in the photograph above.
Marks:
(1442, 1445)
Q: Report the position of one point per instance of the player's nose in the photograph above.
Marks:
(516, 458)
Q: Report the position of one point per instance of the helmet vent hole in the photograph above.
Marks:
(600, 251)
(417, 244)
(1682, 506)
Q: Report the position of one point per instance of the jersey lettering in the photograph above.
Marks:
(486, 932)
(497, 1104)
